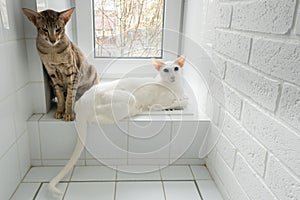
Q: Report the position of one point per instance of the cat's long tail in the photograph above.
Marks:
(95, 104)
(81, 126)
(83, 109)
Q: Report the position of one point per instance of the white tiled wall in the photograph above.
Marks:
(15, 100)
(256, 48)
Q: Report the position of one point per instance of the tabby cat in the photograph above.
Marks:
(70, 73)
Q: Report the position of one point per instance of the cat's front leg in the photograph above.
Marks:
(69, 113)
(70, 99)
(59, 93)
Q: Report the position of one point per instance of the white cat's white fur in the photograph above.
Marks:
(107, 102)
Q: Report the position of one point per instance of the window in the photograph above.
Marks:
(123, 34)
(128, 29)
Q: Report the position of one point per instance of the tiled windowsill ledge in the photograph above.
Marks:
(155, 139)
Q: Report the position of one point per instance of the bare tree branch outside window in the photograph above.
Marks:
(128, 28)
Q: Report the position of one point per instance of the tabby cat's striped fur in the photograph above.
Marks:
(67, 67)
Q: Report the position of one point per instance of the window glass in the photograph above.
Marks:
(128, 28)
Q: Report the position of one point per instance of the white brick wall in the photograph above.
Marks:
(227, 150)
(289, 106)
(268, 16)
(226, 96)
(229, 180)
(282, 182)
(252, 184)
(224, 16)
(253, 84)
(252, 151)
(234, 45)
(277, 58)
(279, 139)
(220, 64)
(257, 53)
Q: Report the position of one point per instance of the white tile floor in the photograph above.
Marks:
(98, 182)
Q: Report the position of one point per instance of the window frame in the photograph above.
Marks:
(117, 67)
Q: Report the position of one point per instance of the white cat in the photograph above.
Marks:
(116, 100)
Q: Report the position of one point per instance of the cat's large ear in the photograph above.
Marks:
(157, 64)
(66, 15)
(32, 15)
(180, 60)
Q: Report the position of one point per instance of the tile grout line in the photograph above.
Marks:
(68, 182)
(116, 178)
(115, 192)
(195, 182)
(40, 141)
(63, 196)
(190, 167)
(164, 191)
(162, 182)
(37, 191)
(198, 190)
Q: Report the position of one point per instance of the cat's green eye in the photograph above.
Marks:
(45, 30)
(58, 29)
(166, 70)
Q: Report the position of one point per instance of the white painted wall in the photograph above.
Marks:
(197, 39)
(15, 98)
(257, 50)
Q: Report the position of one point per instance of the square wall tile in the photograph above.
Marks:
(34, 136)
(9, 173)
(107, 141)
(176, 173)
(23, 109)
(7, 83)
(90, 191)
(43, 174)
(19, 64)
(58, 139)
(187, 139)
(7, 124)
(23, 153)
(34, 62)
(149, 139)
(26, 191)
(181, 190)
(15, 19)
(139, 190)
(1, 34)
(93, 173)
(39, 100)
